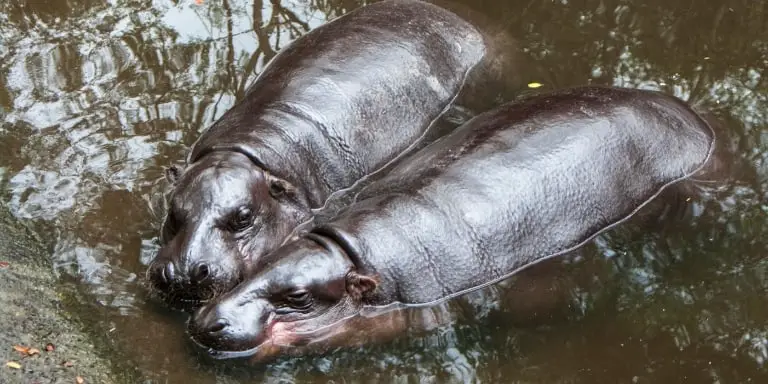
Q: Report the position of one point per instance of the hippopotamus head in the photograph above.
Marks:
(311, 286)
(223, 212)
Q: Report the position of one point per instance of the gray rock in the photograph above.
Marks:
(36, 309)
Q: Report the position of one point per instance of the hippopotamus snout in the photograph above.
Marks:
(164, 274)
(169, 279)
(231, 325)
(188, 272)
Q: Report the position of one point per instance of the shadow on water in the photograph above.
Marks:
(96, 97)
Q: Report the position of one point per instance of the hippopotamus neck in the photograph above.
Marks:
(307, 158)
(355, 251)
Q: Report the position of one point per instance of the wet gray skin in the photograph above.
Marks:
(331, 109)
(513, 187)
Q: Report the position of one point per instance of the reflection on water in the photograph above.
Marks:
(96, 97)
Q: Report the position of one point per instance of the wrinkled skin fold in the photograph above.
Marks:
(336, 105)
(512, 187)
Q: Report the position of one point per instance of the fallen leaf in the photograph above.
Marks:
(67, 364)
(79, 380)
(199, 2)
(26, 350)
(534, 85)
(21, 349)
(50, 347)
(4, 264)
(13, 364)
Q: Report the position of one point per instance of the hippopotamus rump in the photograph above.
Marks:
(332, 108)
(514, 186)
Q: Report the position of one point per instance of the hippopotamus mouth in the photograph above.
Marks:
(177, 299)
(222, 355)
(178, 296)
(278, 335)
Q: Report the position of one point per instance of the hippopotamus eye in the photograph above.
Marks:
(299, 299)
(241, 220)
(276, 189)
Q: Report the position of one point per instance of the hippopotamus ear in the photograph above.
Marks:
(173, 173)
(358, 284)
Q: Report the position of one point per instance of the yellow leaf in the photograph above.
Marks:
(13, 364)
(534, 85)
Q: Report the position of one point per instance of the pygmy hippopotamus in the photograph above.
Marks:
(512, 187)
(336, 105)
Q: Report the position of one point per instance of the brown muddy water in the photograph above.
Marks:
(97, 96)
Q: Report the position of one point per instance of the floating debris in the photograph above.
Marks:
(4, 264)
(535, 85)
(79, 380)
(13, 365)
(50, 347)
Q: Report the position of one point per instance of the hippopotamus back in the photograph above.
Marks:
(317, 114)
(517, 185)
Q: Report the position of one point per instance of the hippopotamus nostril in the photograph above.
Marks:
(207, 323)
(200, 273)
(167, 273)
(161, 274)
